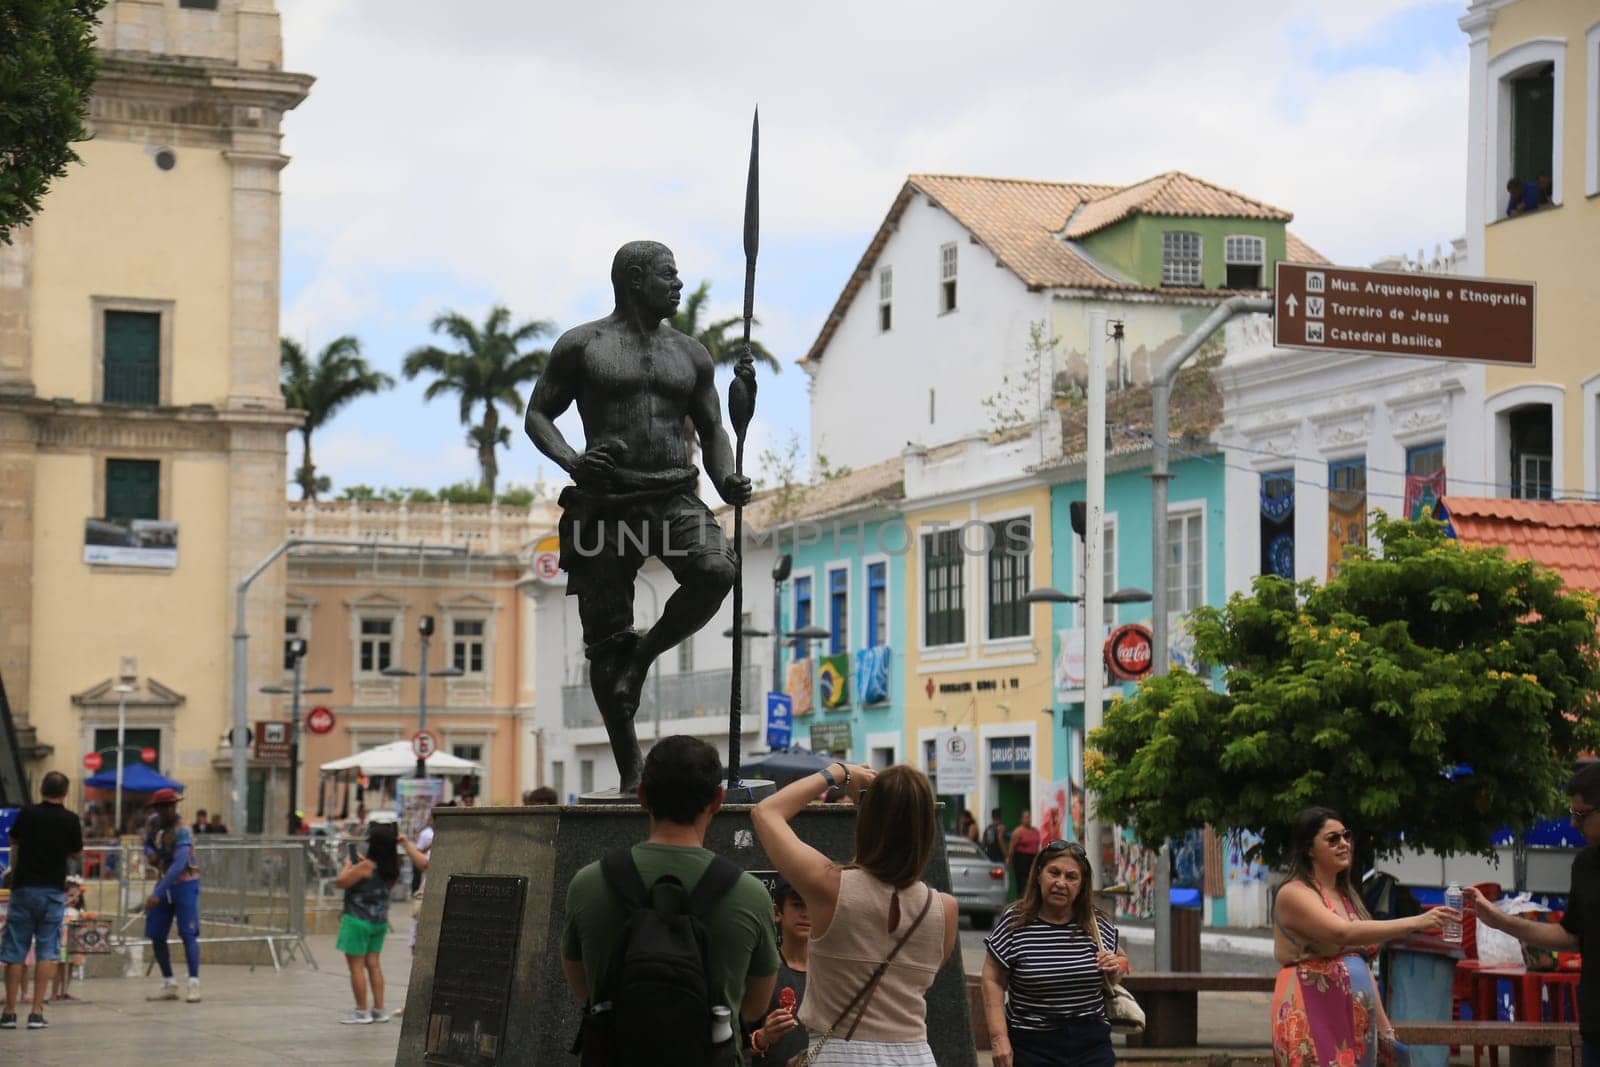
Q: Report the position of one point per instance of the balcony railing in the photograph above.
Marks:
(682, 696)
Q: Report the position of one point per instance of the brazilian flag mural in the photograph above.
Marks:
(834, 676)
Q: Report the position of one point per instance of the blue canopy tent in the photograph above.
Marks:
(136, 778)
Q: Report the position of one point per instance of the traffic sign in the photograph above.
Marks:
(93, 761)
(1396, 313)
(424, 744)
(147, 755)
(320, 720)
(956, 771)
(780, 720)
(1130, 652)
(547, 566)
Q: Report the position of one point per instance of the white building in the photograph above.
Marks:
(932, 337)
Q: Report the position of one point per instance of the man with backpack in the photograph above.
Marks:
(663, 936)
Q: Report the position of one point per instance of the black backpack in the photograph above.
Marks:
(656, 1007)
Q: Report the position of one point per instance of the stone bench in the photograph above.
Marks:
(1171, 1002)
(1556, 1044)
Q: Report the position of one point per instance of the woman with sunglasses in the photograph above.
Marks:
(1044, 972)
(1326, 1007)
(874, 910)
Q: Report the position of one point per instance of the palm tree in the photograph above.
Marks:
(320, 388)
(725, 350)
(486, 367)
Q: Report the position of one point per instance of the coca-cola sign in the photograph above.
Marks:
(1129, 652)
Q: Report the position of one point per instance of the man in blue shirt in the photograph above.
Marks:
(169, 848)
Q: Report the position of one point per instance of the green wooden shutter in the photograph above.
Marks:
(133, 357)
(133, 489)
(1533, 109)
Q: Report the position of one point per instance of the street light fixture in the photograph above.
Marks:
(297, 655)
(425, 631)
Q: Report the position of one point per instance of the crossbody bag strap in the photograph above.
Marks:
(1099, 947)
(871, 986)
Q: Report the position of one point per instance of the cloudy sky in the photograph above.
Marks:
(498, 151)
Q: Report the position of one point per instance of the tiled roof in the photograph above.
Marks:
(1194, 412)
(1297, 251)
(1562, 535)
(880, 483)
(1172, 193)
(1025, 225)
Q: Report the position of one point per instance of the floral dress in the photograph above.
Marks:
(1325, 1006)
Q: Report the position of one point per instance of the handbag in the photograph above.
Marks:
(864, 997)
(1122, 1011)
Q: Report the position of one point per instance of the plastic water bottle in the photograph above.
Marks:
(721, 1025)
(723, 1052)
(1453, 898)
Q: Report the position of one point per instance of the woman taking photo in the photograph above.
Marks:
(1326, 1007)
(1045, 970)
(366, 883)
(879, 935)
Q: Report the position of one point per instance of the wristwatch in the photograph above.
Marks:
(827, 776)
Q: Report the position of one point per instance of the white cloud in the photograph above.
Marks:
(499, 150)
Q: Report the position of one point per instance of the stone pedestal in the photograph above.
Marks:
(547, 846)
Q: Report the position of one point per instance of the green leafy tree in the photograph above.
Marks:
(464, 493)
(516, 496)
(47, 71)
(724, 340)
(1439, 691)
(361, 492)
(488, 366)
(320, 388)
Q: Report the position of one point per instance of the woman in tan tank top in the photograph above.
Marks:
(872, 910)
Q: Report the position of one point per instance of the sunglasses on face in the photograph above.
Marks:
(1334, 837)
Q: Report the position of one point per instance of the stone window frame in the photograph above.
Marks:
(1503, 70)
(483, 737)
(470, 608)
(377, 606)
(166, 309)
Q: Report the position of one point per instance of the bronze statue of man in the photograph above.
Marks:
(635, 378)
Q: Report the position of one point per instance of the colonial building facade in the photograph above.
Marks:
(141, 426)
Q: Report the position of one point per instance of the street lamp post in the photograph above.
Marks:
(123, 689)
(297, 654)
(425, 631)
(780, 574)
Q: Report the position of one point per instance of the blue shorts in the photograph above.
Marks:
(33, 919)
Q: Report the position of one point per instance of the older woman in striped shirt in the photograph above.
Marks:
(1044, 972)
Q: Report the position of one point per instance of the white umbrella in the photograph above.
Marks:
(396, 758)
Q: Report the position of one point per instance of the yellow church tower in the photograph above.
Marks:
(142, 433)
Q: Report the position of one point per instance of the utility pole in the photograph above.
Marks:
(1094, 584)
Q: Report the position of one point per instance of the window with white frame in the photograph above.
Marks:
(1186, 562)
(885, 298)
(467, 645)
(947, 277)
(1108, 550)
(586, 776)
(1009, 576)
(1244, 257)
(944, 620)
(375, 649)
(686, 655)
(1181, 259)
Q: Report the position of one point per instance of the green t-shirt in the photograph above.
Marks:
(740, 929)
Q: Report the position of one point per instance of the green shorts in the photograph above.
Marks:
(357, 937)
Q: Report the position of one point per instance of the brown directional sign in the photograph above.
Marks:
(1395, 313)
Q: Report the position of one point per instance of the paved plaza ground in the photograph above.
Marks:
(258, 1017)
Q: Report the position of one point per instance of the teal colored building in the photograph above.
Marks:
(1194, 575)
(848, 576)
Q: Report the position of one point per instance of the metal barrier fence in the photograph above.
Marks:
(252, 890)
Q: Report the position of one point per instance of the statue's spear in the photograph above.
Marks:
(741, 406)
